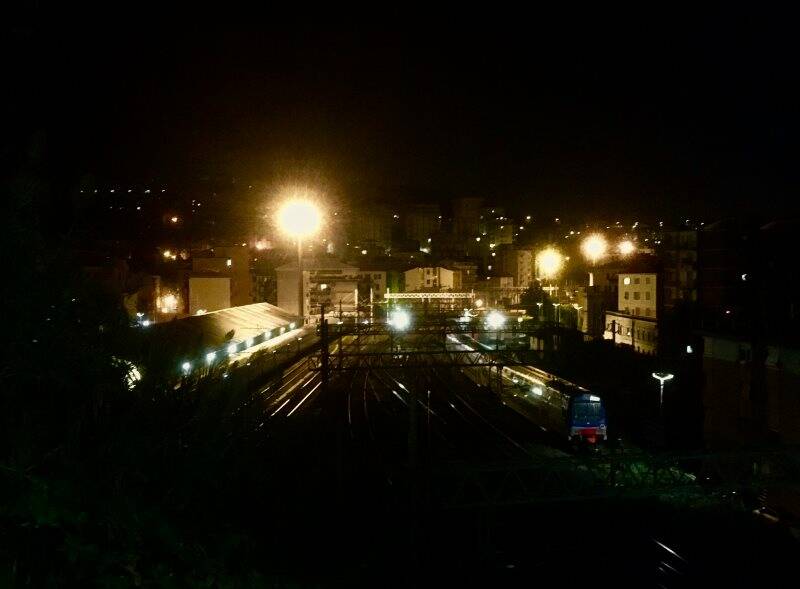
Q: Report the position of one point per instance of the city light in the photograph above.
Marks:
(594, 247)
(210, 357)
(549, 261)
(186, 367)
(174, 219)
(495, 320)
(169, 303)
(400, 319)
(626, 247)
(299, 218)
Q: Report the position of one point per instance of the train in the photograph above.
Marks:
(559, 406)
(566, 409)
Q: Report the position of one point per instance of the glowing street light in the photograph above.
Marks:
(549, 261)
(299, 218)
(495, 320)
(626, 247)
(400, 319)
(594, 247)
(661, 377)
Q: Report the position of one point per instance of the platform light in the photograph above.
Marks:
(291, 326)
(248, 342)
(210, 357)
(400, 319)
(537, 391)
(232, 349)
(186, 367)
(495, 320)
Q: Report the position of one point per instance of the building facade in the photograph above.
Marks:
(209, 293)
(635, 322)
(637, 294)
(679, 253)
(429, 278)
(325, 281)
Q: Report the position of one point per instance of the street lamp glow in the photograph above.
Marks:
(299, 218)
(549, 261)
(495, 320)
(626, 247)
(594, 247)
(400, 319)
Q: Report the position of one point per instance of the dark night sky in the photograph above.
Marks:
(627, 113)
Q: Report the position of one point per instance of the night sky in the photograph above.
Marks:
(614, 114)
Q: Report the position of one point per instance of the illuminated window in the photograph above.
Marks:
(229, 262)
(626, 280)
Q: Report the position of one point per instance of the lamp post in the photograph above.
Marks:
(299, 218)
(549, 262)
(662, 377)
(495, 320)
(399, 320)
(594, 247)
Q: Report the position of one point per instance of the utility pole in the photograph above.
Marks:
(323, 332)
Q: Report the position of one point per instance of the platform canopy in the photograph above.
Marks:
(196, 334)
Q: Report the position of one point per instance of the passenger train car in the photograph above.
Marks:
(556, 405)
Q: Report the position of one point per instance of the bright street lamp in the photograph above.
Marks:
(661, 377)
(495, 320)
(400, 319)
(549, 261)
(594, 247)
(299, 218)
(626, 247)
